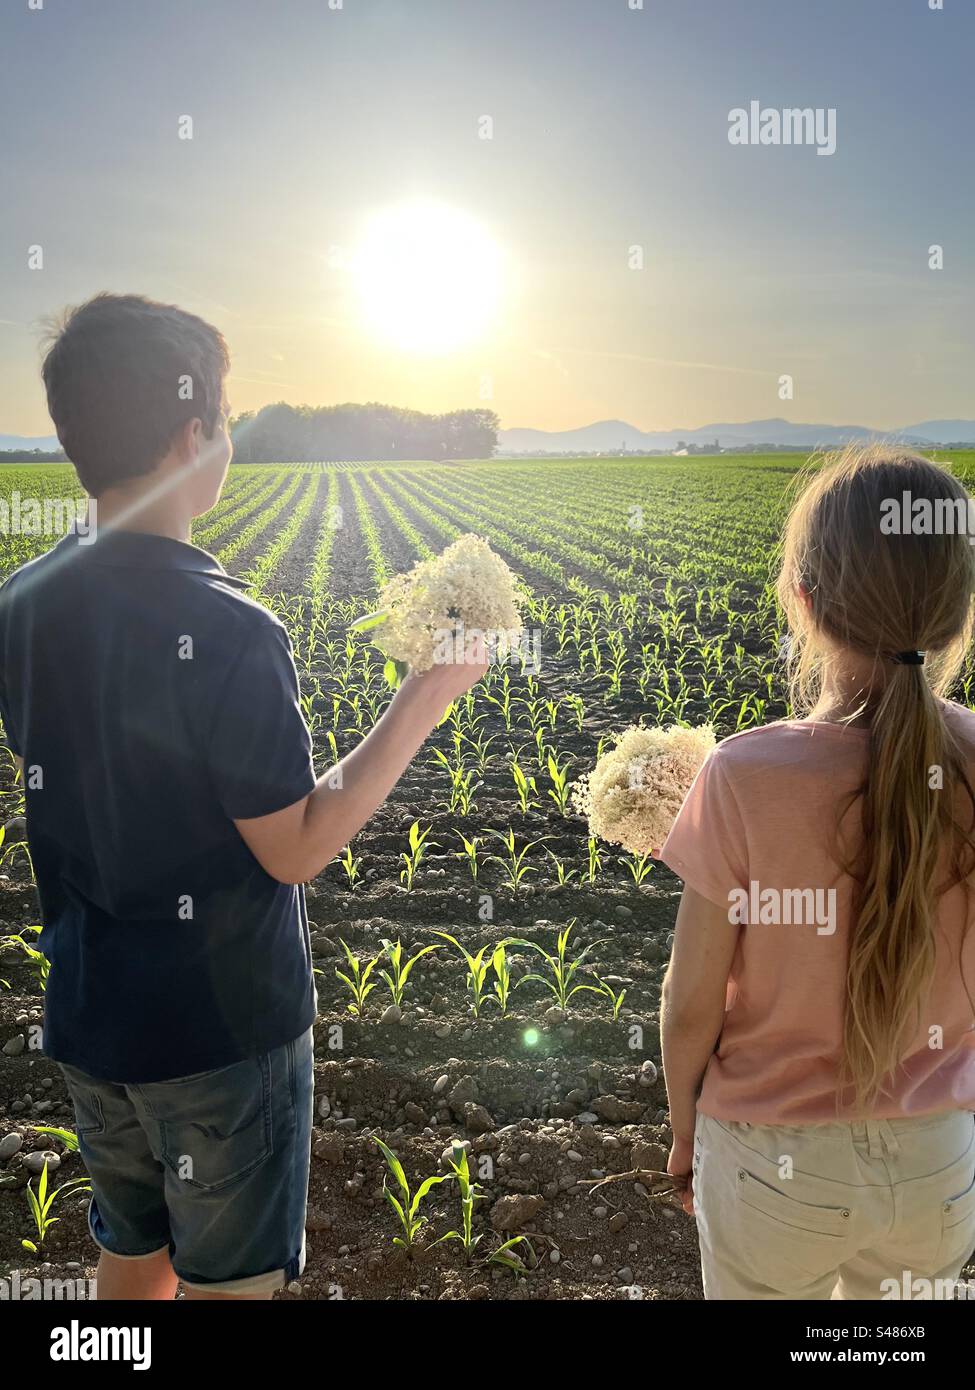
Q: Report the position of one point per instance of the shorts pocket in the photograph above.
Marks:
(89, 1115)
(960, 1209)
(804, 1220)
(214, 1129)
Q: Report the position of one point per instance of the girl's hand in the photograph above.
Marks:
(679, 1167)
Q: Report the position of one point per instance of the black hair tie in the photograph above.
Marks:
(909, 658)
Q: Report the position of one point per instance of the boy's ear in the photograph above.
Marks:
(188, 440)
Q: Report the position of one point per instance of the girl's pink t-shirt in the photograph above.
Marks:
(758, 833)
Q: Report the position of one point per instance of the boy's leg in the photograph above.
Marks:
(140, 1277)
(127, 1215)
(235, 1146)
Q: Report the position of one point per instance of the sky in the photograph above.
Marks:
(638, 265)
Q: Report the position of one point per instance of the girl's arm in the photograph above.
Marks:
(692, 1012)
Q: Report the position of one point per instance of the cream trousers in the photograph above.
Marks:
(882, 1209)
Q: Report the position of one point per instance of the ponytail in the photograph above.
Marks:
(906, 821)
(848, 585)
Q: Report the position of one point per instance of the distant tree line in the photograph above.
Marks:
(32, 456)
(285, 433)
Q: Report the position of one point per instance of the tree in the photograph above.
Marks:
(283, 433)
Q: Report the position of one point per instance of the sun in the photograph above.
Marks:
(428, 277)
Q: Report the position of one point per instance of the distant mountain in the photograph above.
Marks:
(18, 441)
(607, 435)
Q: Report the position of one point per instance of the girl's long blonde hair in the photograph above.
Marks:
(849, 581)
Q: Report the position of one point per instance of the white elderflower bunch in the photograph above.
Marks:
(429, 615)
(634, 792)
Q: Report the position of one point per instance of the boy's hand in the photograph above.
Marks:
(449, 680)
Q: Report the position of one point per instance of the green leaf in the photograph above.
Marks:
(369, 621)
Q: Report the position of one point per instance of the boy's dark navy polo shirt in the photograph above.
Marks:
(153, 703)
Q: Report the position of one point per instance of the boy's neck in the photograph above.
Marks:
(131, 509)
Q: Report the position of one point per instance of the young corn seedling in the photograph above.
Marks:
(42, 1202)
(413, 858)
(504, 1255)
(524, 786)
(560, 788)
(639, 866)
(578, 708)
(513, 862)
(562, 969)
(407, 1205)
(357, 980)
(37, 960)
(502, 976)
(595, 860)
(563, 874)
(477, 971)
(67, 1136)
(469, 1194)
(352, 866)
(462, 784)
(399, 971)
(616, 1000)
(469, 852)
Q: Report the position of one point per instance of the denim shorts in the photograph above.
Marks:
(212, 1167)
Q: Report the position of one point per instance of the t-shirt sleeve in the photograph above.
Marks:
(259, 751)
(707, 845)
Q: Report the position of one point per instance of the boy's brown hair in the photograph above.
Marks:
(123, 374)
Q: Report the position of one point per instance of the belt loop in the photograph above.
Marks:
(890, 1138)
(874, 1145)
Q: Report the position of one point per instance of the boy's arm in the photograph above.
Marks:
(296, 843)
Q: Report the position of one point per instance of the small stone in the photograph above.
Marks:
(617, 1222)
(441, 1084)
(464, 1091)
(391, 1014)
(329, 1147)
(317, 1220)
(36, 1162)
(513, 1212)
(9, 1145)
(477, 1119)
(14, 1046)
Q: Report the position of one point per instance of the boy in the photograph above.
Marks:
(173, 814)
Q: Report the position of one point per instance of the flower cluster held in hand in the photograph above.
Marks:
(634, 792)
(430, 614)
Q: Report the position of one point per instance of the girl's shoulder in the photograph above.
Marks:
(815, 743)
(961, 721)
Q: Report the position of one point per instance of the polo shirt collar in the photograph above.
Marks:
(146, 551)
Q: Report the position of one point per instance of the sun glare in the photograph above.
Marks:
(428, 277)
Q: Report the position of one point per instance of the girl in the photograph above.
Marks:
(818, 1019)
